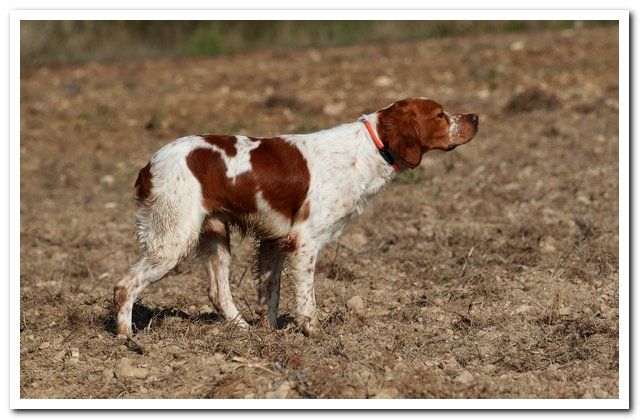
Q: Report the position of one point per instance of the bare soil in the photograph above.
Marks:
(489, 272)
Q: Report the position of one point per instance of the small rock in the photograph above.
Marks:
(70, 363)
(59, 356)
(410, 231)
(281, 391)
(75, 353)
(464, 377)
(490, 368)
(108, 373)
(523, 308)
(107, 180)
(600, 393)
(451, 364)
(315, 56)
(44, 345)
(140, 373)
(206, 309)
(583, 199)
(547, 245)
(110, 205)
(517, 46)
(334, 109)
(564, 311)
(483, 93)
(355, 303)
(383, 81)
(125, 370)
(386, 393)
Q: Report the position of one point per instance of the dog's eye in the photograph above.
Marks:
(440, 115)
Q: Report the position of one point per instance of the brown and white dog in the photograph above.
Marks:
(294, 192)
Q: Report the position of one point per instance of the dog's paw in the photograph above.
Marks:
(309, 327)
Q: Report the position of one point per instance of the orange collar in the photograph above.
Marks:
(384, 150)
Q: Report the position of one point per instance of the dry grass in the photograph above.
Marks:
(499, 259)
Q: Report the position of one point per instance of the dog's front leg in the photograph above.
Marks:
(303, 264)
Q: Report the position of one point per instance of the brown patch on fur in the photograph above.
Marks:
(232, 196)
(144, 183)
(279, 172)
(119, 297)
(226, 143)
(282, 175)
(303, 212)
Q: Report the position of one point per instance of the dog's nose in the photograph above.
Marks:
(474, 119)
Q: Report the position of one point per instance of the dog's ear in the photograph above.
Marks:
(398, 130)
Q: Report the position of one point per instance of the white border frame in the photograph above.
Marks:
(14, 212)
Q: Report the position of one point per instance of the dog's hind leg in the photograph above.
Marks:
(125, 292)
(168, 230)
(269, 268)
(216, 253)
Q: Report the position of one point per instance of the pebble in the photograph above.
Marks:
(59, 356)
(490, 368)
(386, 393)
(206, 309)
(44, 345)
(600, 393)
(281, 391)
(411, 231)
(464, 377)
(383, 81)
(107, 180)
(517, 46)
(356, 303)
(108, 373)
(523, 308)
(451, 364)
(124, 370)
(334, 108)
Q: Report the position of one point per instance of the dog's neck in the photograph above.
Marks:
(347, 156)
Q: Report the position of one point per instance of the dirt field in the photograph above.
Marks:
(488, 272)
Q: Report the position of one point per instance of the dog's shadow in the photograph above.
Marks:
(145, 317)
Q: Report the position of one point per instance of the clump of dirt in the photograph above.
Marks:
(530, 100)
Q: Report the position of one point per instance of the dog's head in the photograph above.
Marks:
(411, 127)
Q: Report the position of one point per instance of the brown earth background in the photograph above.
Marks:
(488, 272)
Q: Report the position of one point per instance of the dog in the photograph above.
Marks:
(295, 193)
